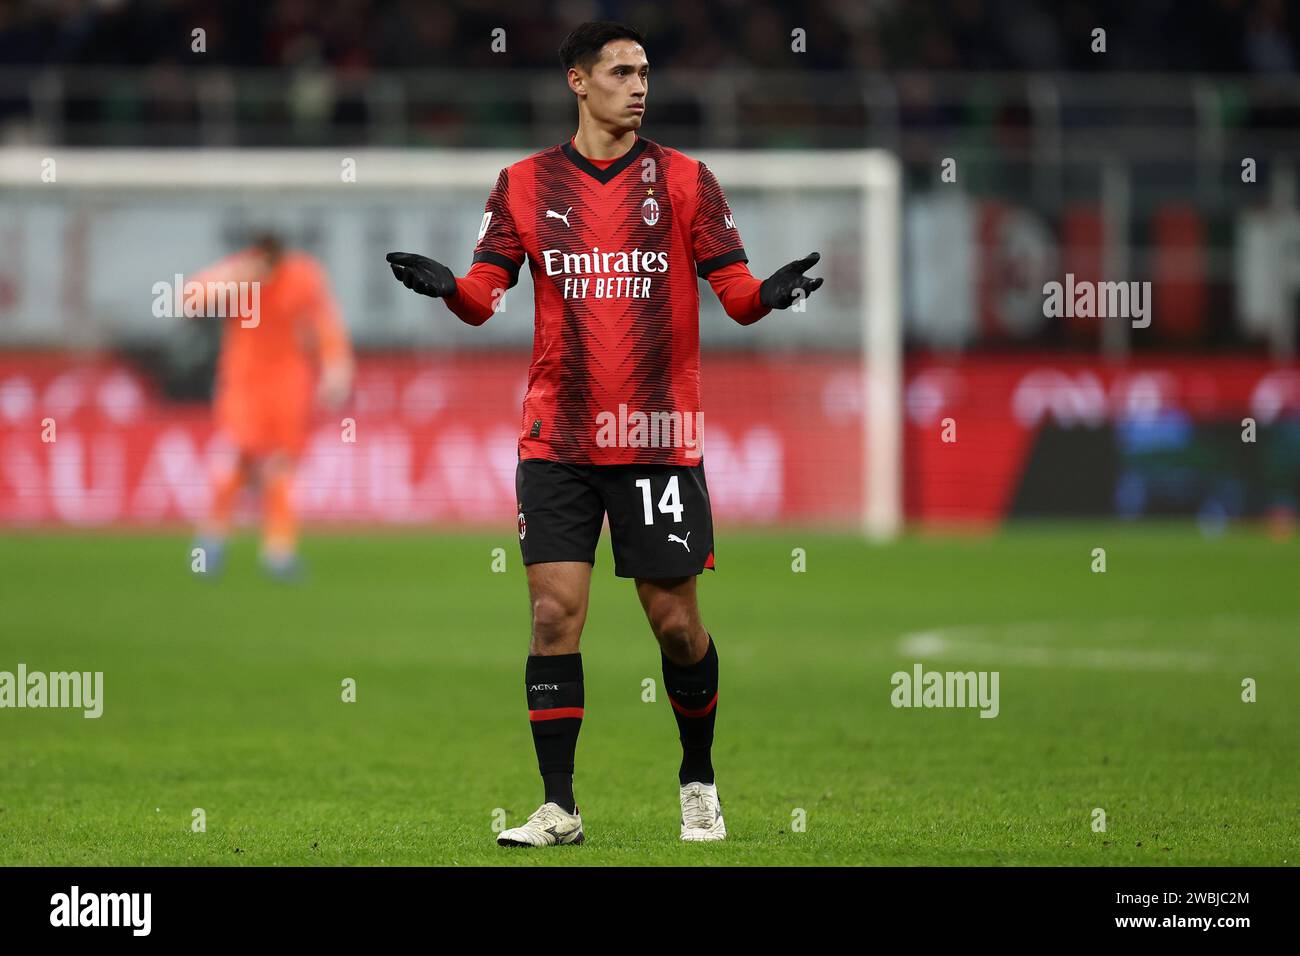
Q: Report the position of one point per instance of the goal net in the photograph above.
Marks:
(802, 410)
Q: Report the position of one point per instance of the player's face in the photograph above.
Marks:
(264, 261)
(617, 85)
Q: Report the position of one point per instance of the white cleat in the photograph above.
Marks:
(702, 813)
(549, 825)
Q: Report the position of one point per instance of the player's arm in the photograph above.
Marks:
(747, 300)
(738, 291)
(333, 344)
(498, 256)
(720, 257)
(471, 298)
(242, 266)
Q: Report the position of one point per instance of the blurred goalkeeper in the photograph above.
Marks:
(275, 363)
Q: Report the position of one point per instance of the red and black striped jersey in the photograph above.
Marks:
(614, 254)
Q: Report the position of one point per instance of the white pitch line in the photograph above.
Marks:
(962, 643)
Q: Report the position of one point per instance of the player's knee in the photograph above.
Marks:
(554, 620)
(275, 465)
(675, 628)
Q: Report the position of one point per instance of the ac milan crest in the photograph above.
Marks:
(650, 211)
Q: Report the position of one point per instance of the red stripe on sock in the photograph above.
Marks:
(702, 712)
(555, 713)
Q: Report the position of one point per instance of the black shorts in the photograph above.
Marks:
(660, 522)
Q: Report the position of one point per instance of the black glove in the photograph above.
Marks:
(421, 274)
(777, 291)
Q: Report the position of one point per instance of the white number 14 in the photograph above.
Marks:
(669, 504)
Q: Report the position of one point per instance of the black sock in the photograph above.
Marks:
(559, 790)
(555, 701)
(693, 692)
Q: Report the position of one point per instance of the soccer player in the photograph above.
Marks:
(615, 229)
(264, 389)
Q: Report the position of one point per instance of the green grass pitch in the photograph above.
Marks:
(1119, 690)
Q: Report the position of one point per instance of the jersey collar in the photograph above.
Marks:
(603, 176)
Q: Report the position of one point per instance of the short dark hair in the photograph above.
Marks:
(269, 243)
(582, 47)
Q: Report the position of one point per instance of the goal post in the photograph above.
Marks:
(845, 203)
(877, 174)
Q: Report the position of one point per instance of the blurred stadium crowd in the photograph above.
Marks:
(1260, 36)
(1171, 161)
(1127, 162)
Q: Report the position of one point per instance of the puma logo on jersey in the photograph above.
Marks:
(552, 214)
(728, 222)
(681, 541)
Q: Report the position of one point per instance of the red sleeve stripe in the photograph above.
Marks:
(555, 713)
(702, 712)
